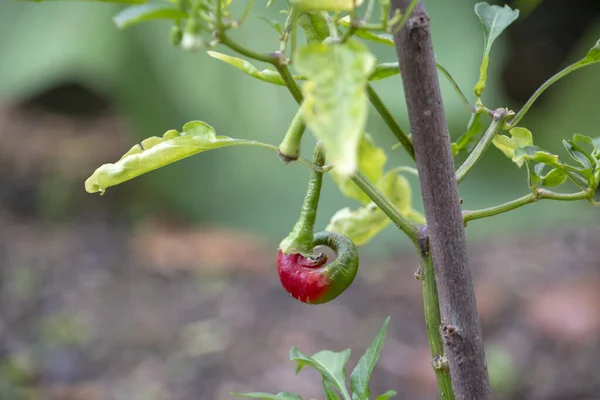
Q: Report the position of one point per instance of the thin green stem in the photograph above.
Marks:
(352, 26)
(433, 322)
(369, 10)
(390, 122)
(268, 58)
(300, 239)
(538, 194)
(499, 115)
(303, 161)
(462, 96)
(513, 122)
(289, 81)
(386, 206)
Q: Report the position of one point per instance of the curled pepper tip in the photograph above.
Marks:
(310, 279)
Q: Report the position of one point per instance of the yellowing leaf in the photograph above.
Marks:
(362, 224)
(156, 152)
(335, 102)
(520, 138)
(267, 75)
(371, 160)
(327, 5)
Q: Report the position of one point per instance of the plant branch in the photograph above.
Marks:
(513, 122)
(460, 329)
(386, 206)
(433, 321)
(538, 194)
(268, 58)
(462, 96)
(389, 121)
(289, 81)
(497, 118)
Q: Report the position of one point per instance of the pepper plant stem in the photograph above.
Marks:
(539, 194)
(497, 118)
(386, 206)
(460, 328)
(390, 122)
(433, 322)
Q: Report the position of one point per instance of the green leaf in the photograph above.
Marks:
(594, 142)
(156, 152)
(330, 393)
(384, 70)
(267, 396)
(384, 38)
(371, 160)
(335, 102)
(359, 379)
(581, 156)
(471, 136)
(362, 224)
(86, 1)
(135, 14)
(328, 363)
(520, 138)
(314, 26)
(397, 189)
(592, 56)
(554, 178)
(326, 5)
(267, 75)
(359, 225)
(387, 395)
(273, 24)
(495, 20)
(537, 154)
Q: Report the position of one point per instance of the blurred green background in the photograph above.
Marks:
(165, 287)
(156, 87)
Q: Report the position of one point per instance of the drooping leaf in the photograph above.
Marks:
(384, 70)
(371, 160)
(335, 102)
(267, 396)
(470, 137)
(495, 20)
(328, 363)
(156, 152)
(266, 75)
(326, 5)
(555, 177)
(359, 379)
(145, 12)
(387, 395)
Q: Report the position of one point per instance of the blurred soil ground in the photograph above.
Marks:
(92, 309)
